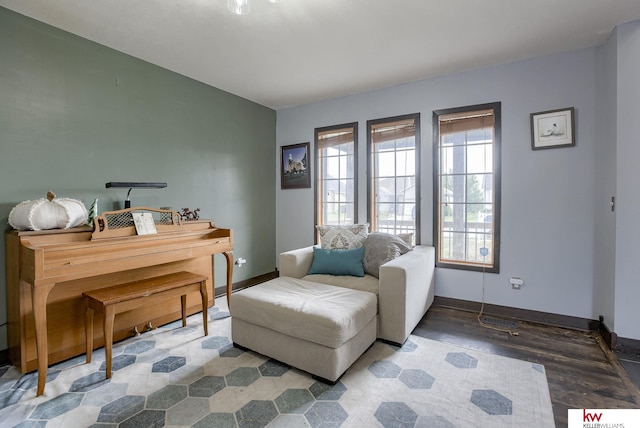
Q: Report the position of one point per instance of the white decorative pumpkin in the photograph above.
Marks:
(49, 213)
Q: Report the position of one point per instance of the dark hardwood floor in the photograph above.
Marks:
(581, 371)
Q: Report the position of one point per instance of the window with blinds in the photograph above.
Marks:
(336, 166)
(467, 187)
(394, 175)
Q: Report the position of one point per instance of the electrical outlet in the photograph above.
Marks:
(516, 282)
(240, 261)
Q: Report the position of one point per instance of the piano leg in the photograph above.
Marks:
(39, 297)
(88, 330)
(183, 304)
(205, 304)
(229, 256)
(109, 317)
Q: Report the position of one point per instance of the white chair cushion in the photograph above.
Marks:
(366, 283)
(319, 313)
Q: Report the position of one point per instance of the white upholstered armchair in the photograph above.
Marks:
(405, 287)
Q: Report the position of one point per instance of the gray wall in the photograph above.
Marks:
(75, 115)
(627, 268)
(617, 233)
(548, 196)
(605, 231)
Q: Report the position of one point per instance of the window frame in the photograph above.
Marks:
(319, 171)
(371, 168)
(497, 172)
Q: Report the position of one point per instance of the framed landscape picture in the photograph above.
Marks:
(295, 171)
(552, 129)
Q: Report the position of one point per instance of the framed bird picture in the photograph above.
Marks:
(552, 129)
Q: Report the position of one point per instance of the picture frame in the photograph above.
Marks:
(553, 129)
(295, 170)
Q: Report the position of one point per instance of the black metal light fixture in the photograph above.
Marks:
(134, 185)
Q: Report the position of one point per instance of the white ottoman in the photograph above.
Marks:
(318, 328)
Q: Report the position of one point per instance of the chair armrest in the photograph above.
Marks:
(296, 263)
(406, 292)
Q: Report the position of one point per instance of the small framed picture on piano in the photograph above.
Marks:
(144, 223)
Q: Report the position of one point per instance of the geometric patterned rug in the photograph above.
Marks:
(176, 377)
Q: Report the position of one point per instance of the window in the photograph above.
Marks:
(394, 174)
(467, 187)
(336, 166)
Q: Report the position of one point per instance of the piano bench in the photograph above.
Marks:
(125, 297)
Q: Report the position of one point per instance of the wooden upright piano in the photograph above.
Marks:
(47, 271)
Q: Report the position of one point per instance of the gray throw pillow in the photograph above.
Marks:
(379, 248)
(342, 237)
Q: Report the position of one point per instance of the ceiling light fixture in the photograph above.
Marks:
(239, 7)
(242, 7)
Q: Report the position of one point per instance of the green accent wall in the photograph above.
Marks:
(75, 115)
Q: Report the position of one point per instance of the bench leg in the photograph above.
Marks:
(205, 304)
(88, 331)
(183, 301)
(109, 317)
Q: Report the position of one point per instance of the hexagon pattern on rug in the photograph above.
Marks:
(175, 376)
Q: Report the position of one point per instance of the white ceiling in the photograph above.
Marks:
(300, 51)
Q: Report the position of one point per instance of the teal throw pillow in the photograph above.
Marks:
(337, 262)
